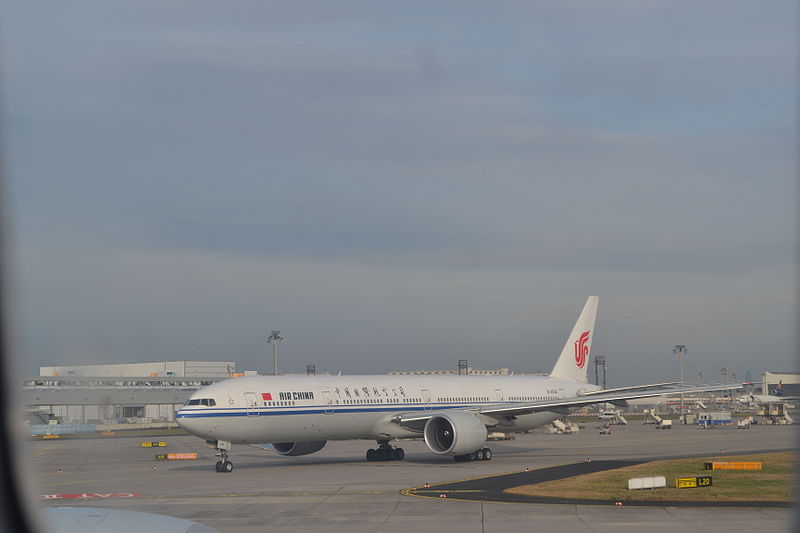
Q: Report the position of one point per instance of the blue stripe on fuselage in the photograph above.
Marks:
(238, 411)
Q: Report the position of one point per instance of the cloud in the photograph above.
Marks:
(153, 305)
(411, 179)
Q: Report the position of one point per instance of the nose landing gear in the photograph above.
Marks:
(224, 465)
(222, 447)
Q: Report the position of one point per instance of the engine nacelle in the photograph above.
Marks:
(298, 448)
(454, 433)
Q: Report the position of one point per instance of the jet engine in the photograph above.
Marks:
(456, 433)
(298, 448)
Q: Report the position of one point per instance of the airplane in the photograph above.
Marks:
(754, 400)
(297, 415)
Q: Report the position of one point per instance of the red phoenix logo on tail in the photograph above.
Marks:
(581, 350)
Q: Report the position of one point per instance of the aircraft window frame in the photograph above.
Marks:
(206, 402)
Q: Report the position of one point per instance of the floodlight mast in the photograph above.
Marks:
(600, 361)
(680, 351)
(274, 338)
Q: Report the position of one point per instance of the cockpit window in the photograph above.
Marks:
(202, 401)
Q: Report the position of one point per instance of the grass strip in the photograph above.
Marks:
(774, 483)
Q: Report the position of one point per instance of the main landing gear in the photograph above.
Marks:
(385, 453)
(484, 454)
(222, 447)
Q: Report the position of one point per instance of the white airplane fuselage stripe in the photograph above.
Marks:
(311, 408)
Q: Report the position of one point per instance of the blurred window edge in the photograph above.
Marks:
(17, 511)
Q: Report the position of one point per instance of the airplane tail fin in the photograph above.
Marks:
(573, 362)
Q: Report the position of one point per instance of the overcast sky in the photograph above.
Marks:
(399, 185)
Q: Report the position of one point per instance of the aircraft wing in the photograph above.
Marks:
(416, 421)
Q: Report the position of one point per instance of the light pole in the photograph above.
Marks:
(680, 351)
(274, 338)
(599, 361)
(724, 372)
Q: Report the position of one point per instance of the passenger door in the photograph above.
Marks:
(251, 401)
(426, 398)
(328, 400)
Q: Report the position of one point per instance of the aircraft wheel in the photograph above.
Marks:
(487, 454)
(477, 455)
(227, 466)
(399, 454)
(370, 455)
(384, 454)
(218, 466)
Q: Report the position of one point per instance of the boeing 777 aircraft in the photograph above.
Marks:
(299, 414)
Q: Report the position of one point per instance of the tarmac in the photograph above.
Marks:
(337, 490)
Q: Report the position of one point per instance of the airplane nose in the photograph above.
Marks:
(183, 422)
(198, 427)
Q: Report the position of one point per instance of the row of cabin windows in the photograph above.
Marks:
(379, 400)
(531, 398)
(210, 401)
(465, 399)
(346, 402)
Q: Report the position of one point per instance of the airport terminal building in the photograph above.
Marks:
(134, 393)
(179, 369)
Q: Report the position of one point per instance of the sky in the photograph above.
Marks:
(400, 185)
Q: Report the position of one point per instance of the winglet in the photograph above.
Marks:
(573, 362)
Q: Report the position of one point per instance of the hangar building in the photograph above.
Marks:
(140, 393)
(179, 369)
(781, 383)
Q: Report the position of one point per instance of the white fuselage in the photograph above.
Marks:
(314, 408)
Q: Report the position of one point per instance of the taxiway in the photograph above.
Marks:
(337, 490)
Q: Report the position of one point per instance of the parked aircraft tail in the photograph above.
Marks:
(573, 362)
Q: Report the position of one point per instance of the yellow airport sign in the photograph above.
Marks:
(693, 482)
(734, 465)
